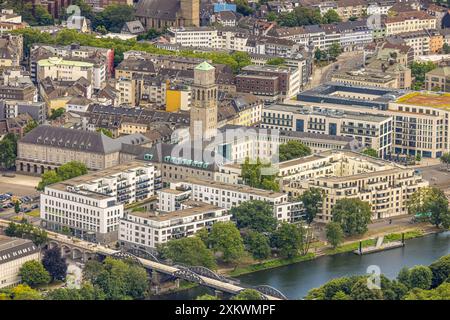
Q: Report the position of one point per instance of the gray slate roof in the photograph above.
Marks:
(87, 141)
(14, 248)
(158, 9)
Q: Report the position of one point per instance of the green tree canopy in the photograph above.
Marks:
(432, 201)
(33, 273)
(248, 294)
(352, 214)
(331, 16)
(67, 171)
(191, 251)
(312, 202)
(440, 293)
(361, 291)
(119, 280)
(255, 214)
(226, 239)
(8, 145)
(106, 132)
(289, 239)
(30, 126)
(420, 277)
(113, 17)
(293, 149)
(335, 234)
(257, 244)
(56, 113)
(21, 292)
(259, 175)
(440, 270)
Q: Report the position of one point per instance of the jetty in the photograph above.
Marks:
(380, 246)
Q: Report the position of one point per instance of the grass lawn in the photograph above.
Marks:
(35, 213)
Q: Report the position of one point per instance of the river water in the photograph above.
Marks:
(297, 279)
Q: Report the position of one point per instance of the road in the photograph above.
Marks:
(346, 61)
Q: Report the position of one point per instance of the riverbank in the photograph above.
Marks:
(323, 250)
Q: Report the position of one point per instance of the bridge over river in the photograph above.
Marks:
(201, 275)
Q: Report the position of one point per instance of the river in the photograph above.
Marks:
(297, 279)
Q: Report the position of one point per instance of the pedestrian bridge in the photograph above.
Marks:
(201, 275)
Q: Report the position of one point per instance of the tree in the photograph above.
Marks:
(119, 280)
(43, 17)
(370, 152)
(86, 292)
(113, 17)
(255, 214)
(30, 126)
(440, 293)
(48, 178)
(293, 149)
(33, 273)
(335, 234)
(433, 202)
(24, 292)
(55, 264)
(248, 294)
(353, 215)
(340, 295)
(258, 245)
(226, 239)
(446, 48)
(331, 16)
(445, 158)
(403, 276)
(288, 239)
(56, 113)
(191, 251)
(16, 207)
(361, 291)
(440, 270)
(27, 231)
(207, 297)
(256, 175)
(243, 7)
(271, 16)
(101, 30)
(312, 201)
(319, 54)
(67, 171)
(418, 71)
(8, 145)
(335, 50)
(150, 35)
(420, 277)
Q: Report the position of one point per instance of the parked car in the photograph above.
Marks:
(27, 210)
(35, 206)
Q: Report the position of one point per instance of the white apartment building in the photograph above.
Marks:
(238, 143)
(90, 206)
(386, 186)
(171, 199)
(147, 230)
(421, 124)
(86, 214)
(373, 131)
(64, 70)
(208, 37)
(227, 196)
(14, 253)
(408, 22)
